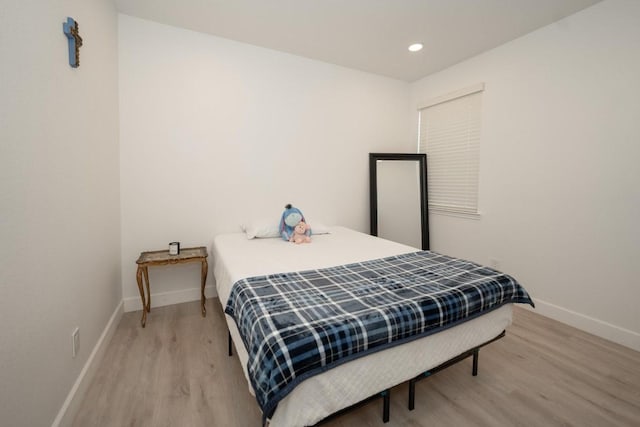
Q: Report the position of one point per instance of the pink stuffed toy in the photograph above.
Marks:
(299, 233)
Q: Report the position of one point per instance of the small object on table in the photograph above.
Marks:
(164, 257)
(174, 248)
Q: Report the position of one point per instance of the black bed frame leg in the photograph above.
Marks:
(230, 344)
(386, 395)
(412, 394)
(476, 352)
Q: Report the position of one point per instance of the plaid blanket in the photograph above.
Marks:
(295, 325)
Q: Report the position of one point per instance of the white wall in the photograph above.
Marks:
(59, 201)
(215, 131)
(559, 179)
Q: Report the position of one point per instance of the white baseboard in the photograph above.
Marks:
(71, 404)
(588, 324)
(169, 298)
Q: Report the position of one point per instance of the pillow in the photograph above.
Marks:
(261, 229)
(266, 228)
(318, 228)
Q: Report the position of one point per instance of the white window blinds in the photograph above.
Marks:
(450, 135)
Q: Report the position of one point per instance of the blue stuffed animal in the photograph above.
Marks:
(290, 218)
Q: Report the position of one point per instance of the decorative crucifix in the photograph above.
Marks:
(70, 29)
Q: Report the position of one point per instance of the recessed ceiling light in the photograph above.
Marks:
(415, 47)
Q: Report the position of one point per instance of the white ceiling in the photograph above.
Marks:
(367, 35)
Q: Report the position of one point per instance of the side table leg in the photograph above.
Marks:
(143, 321)
(145, 270)
(205, 269)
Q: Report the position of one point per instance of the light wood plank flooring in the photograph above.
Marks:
(176, 372)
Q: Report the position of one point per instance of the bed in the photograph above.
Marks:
(332, 388)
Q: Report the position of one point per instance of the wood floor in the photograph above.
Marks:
(176, 372)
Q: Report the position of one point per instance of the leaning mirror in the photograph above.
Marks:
(398, 197)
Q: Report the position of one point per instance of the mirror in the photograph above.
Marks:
(398, 197)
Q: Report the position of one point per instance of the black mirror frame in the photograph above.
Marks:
(373, 190)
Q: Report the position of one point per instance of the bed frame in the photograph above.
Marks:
(386, 394)
(472, 352)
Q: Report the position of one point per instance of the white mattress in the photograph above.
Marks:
(235, 257)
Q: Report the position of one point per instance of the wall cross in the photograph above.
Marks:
(70, 29)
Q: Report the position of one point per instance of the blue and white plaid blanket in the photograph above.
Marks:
(295, 325)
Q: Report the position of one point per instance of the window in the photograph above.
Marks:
(449, 133)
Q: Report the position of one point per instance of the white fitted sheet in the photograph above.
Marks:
(235, 257)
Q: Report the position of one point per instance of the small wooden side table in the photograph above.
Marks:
(147, 259)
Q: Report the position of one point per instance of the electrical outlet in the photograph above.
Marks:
(494, 263)
(75, 341)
